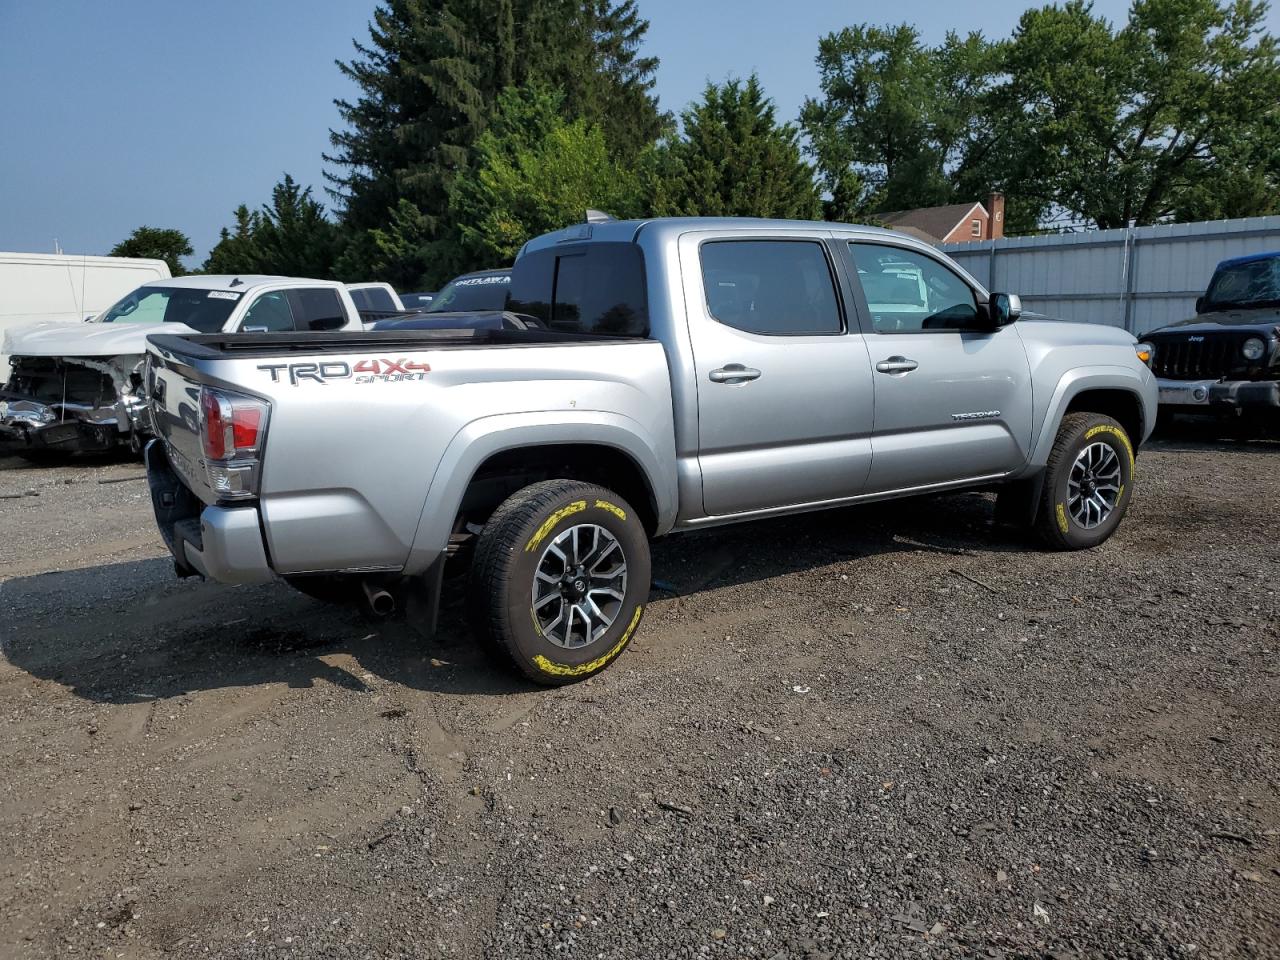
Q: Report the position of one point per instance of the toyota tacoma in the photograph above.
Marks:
(684, 373)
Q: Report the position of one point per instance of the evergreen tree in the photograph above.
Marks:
(419, 110)
(733, 159)
(237, 252)
(294, 237)
(428, 79)
(291, 237)
(403, 252)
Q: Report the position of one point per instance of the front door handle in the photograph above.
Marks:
(734, 373)
(896, 365)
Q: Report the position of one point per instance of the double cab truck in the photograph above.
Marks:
(76, 387)
(1226, 359)
(684, 373)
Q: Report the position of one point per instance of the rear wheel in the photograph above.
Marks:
(1088, 482)
(560, 579)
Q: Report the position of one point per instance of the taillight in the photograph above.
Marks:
(232, 427)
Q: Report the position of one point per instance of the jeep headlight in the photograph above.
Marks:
(1253, 349)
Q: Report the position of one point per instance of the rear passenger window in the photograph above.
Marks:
(317, 308)
(772, 287)
(596, 288)
(377, 299)
(270, 312)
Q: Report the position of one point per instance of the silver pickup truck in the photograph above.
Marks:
(681, 374)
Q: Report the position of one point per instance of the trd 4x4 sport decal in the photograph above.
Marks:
(364, 371)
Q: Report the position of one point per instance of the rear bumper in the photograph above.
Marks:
(218, 543)
(1206, 395)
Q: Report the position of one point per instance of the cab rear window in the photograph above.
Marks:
(594, 288)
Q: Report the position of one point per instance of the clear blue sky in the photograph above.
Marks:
(131, 112)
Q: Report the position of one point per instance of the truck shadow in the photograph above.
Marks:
(1200, 433)
(131, 633)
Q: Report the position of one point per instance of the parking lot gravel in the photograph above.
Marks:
(887, 731)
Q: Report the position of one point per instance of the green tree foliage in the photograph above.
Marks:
(156, 243)
(429, 78)
(897, 118)
(1173, 115)
(733, 159)
(237, 252)
(535, 172)
(404, 252)
(295, 238)
(291, 236)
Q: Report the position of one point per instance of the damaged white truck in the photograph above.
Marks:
(77, 387)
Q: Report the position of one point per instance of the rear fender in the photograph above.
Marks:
(481, 439)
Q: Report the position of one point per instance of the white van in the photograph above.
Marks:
(37, 287)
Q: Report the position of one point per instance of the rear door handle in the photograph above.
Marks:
(896, 365)
(734, 373)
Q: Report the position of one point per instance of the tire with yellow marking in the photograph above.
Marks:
(507, 555)
(1056, 523)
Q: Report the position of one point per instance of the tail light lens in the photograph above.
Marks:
(232, 428)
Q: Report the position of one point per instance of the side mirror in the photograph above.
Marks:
(1199, 304)
(1004, 308)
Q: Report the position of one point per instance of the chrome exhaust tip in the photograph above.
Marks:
(377, 601)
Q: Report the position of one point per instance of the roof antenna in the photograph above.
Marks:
(237, 282)
(599, 216)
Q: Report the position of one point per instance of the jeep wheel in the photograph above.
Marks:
(1088, 482)
(560, 579)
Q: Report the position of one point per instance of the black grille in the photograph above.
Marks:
(1198, 356)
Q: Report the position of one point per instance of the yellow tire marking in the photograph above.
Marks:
(1116, 432)
(1062, 517)
(612, 508)
(564, 670)
(567, 511)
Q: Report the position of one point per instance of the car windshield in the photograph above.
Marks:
(484, 292)
(202, 310)
(1250, 284)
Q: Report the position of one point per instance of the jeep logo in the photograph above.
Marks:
(1195, 339)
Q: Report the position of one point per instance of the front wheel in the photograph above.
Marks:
(560, 579)
(1088, 482)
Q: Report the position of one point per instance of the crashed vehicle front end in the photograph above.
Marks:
(72, 404)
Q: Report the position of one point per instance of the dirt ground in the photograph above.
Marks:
(886, 731)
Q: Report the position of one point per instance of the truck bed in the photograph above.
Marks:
(214, 346)
(372, 437)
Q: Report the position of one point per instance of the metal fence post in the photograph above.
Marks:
(1130, 249)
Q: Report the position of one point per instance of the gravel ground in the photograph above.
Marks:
(880, 732)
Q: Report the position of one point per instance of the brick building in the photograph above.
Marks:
(954, 223)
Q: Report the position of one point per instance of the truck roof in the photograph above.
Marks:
(625, 231)
(232, 282)
(1249, 258)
